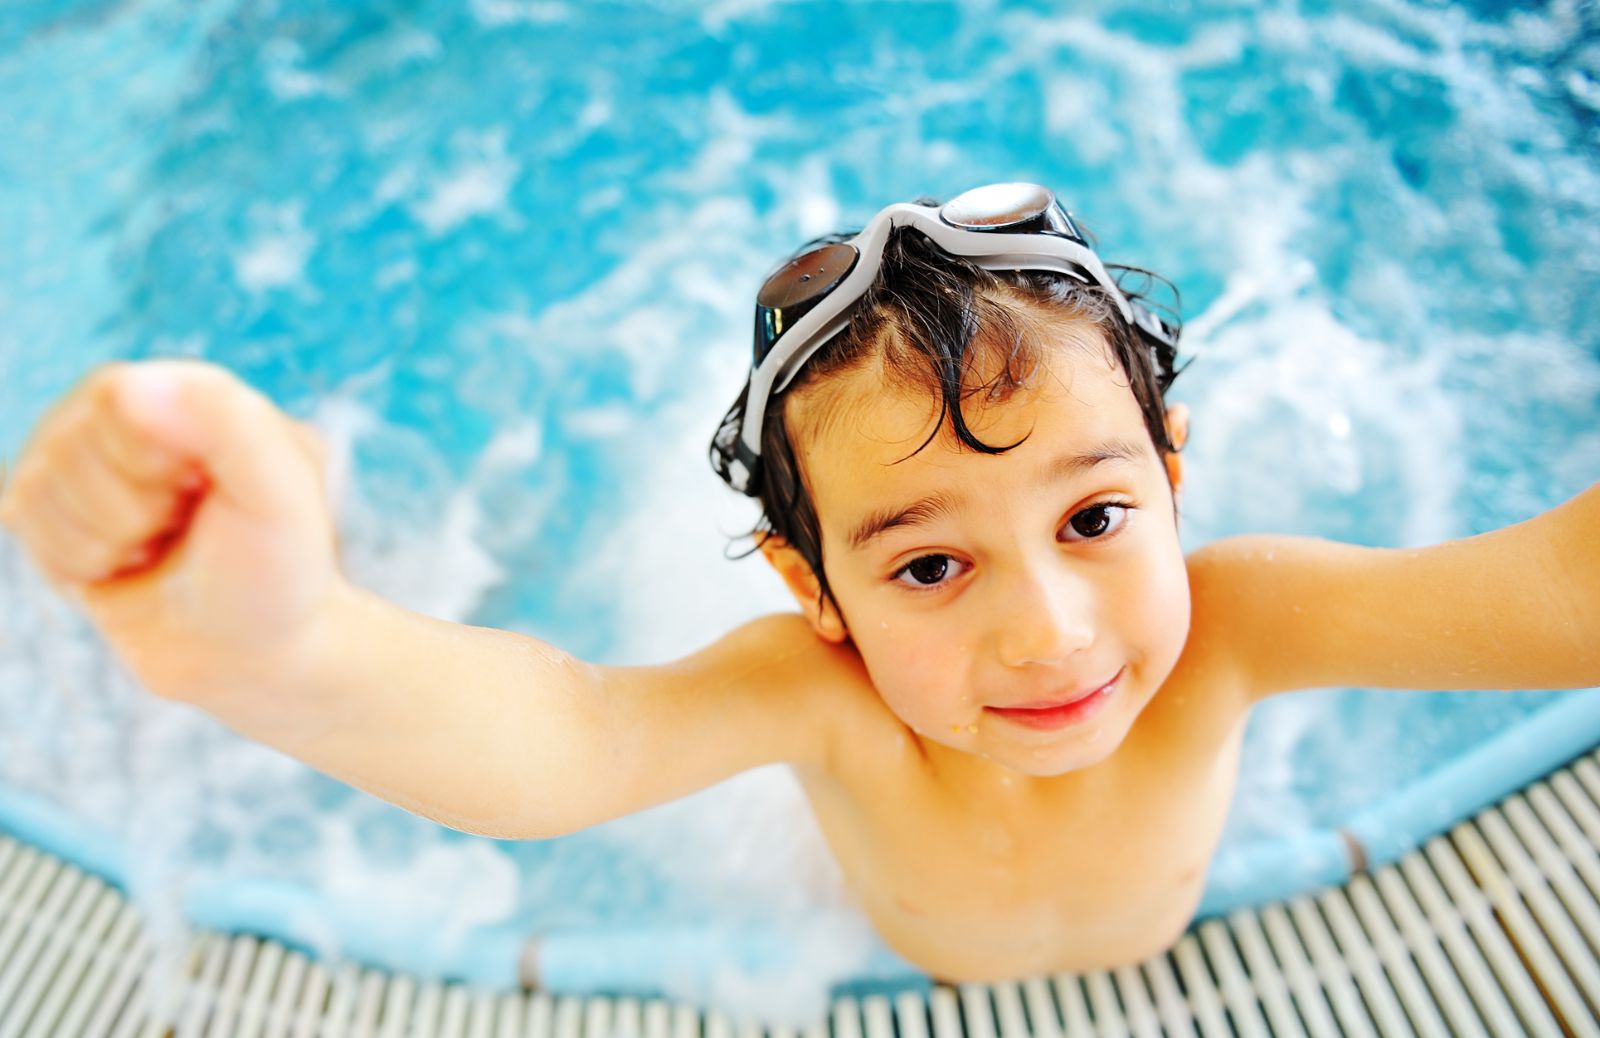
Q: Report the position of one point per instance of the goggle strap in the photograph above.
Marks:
(1146, 321)
(1036, 252)
(742, 469)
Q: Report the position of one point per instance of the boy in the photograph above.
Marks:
(1015, 706)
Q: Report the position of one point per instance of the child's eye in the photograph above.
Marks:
(1096, 521)
(928, 571)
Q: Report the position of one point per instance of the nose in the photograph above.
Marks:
(1046, 616)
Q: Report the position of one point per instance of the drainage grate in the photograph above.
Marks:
(1493, 930)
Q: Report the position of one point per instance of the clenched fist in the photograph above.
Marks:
(189, 517)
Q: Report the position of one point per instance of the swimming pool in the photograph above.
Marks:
(502, 253)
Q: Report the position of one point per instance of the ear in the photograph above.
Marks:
(1177, 435)
(807, 590)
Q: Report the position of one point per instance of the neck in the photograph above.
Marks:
(979, 779)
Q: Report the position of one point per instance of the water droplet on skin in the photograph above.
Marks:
(972, 728)
(965, 698)
(955, 729)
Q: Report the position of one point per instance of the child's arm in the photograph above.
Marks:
(498, 733)
(1514, 608)
(191, 523)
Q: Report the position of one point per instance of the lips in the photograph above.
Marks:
(1059, 711)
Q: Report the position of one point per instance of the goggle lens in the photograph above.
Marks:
(795, 288)
(995, 206)
(1013, 208)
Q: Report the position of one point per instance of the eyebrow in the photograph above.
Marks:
(937, 505)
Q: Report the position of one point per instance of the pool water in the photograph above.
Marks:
(503, 254)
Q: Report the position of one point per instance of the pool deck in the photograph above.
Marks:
(1491, 929)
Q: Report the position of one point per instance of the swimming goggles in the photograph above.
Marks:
(807, 301)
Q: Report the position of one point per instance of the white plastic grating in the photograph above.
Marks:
(1492, 930)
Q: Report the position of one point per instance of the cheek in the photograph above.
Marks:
(1160, 609)
(919, 674)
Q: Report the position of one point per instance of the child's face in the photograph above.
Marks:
(972, 583)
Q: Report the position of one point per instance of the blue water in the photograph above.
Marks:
(503, 253)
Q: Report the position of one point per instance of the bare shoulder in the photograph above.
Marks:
(1269, 608)
(815, 697)
(1225, 573)
(1223, 578)
(1254, 597)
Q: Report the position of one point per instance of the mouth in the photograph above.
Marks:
(1059, 711)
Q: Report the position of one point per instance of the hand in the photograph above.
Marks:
(188, 516)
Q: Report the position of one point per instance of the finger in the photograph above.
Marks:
(65, 549)
(108, 501)
(205, 413)
(131, 450)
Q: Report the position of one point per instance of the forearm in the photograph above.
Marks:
(1514, 608)
(1572, 531)
(1517, 607)
(484, 730)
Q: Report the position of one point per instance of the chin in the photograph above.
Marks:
(1069, 757)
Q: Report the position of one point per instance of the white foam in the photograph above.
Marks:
(477, 185)
(285, 76)
(276, 255)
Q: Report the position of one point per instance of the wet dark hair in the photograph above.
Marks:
(921, 316)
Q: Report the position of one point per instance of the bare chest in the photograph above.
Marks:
(983, 889)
